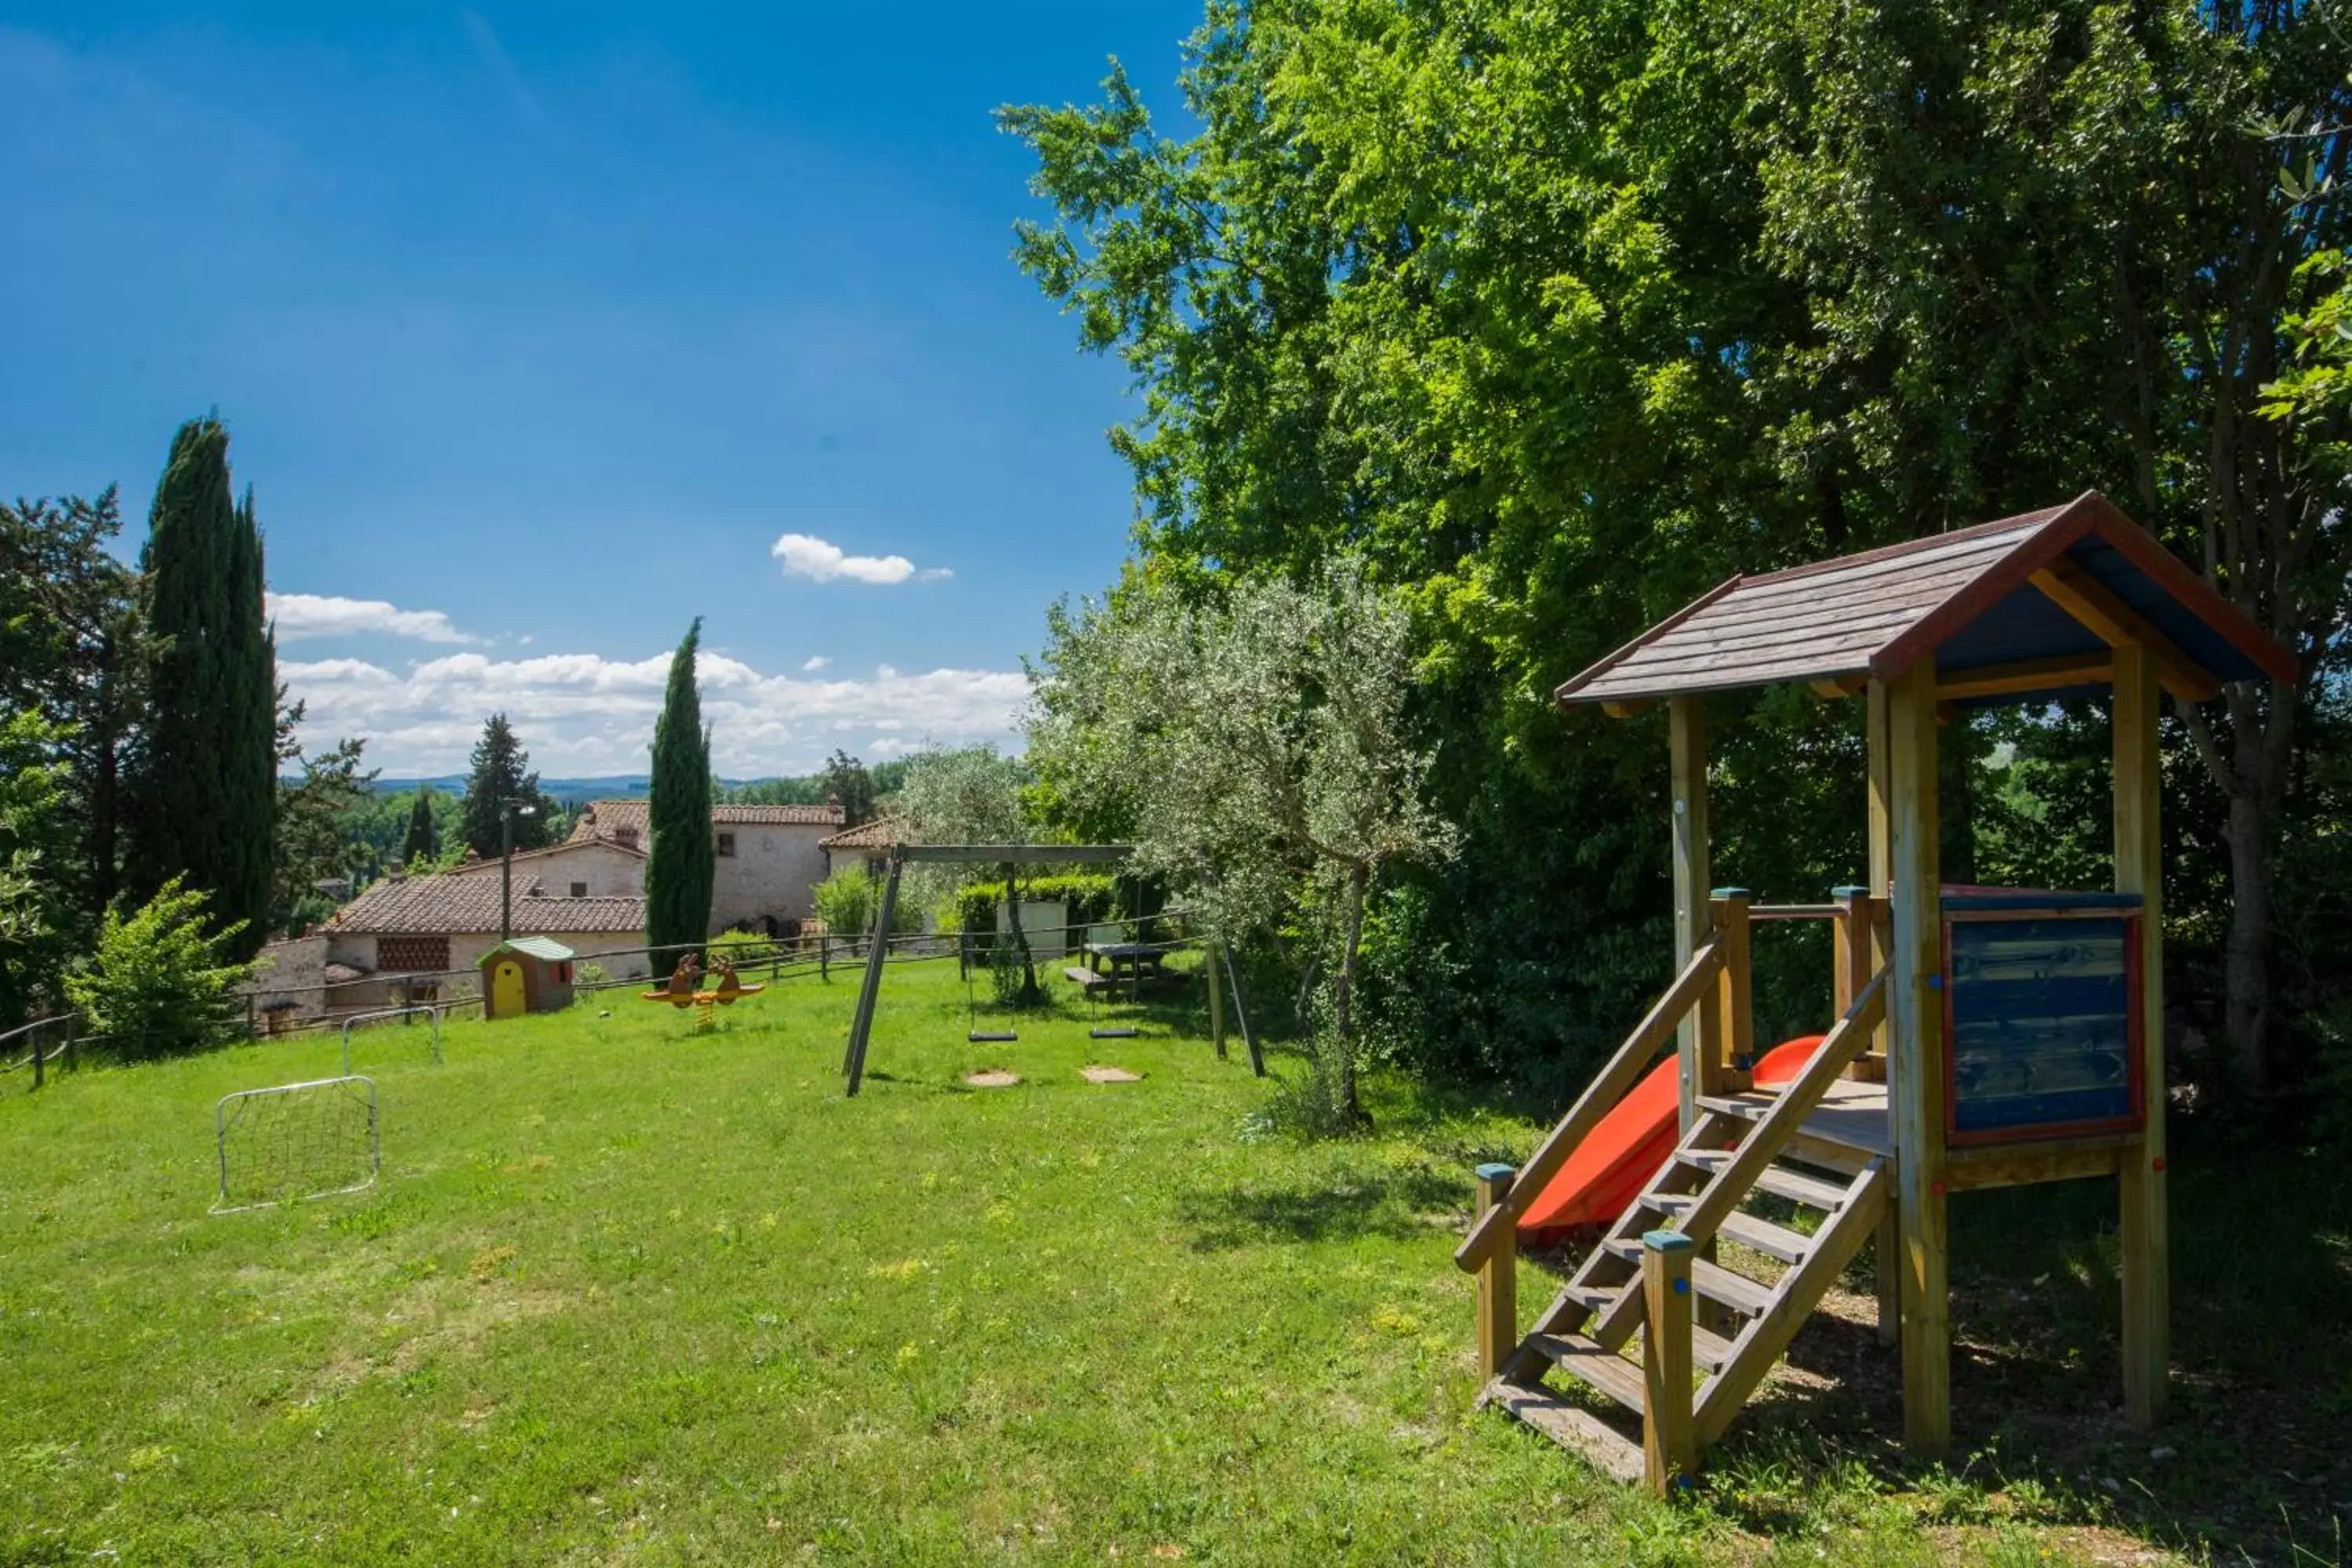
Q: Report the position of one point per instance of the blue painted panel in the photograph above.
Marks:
(2030, 899)
(2170, 616)
(2019, 625)
(2040, 1022)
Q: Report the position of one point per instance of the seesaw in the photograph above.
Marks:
(681, 991)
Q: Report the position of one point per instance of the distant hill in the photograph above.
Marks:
(571, 792)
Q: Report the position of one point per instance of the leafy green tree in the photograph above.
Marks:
(315, 836)
(422, 843)
(163, 980)
(1261, 742)
(499, 770)
(207, 797)
(974, 795)
(847, 780)
(680, 866)
(35, 927)
(1561, 314)
(73, 646)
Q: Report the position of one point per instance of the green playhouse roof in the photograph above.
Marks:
(543, 947)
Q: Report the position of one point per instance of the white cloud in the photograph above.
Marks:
(301, 615)
(817, 661)
(584, 714)
(806, 555)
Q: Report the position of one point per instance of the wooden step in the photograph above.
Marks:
(1707, 1160)
(1782, 1183)
(1748, 1107)
(1593, 1366)
(1708, 1350)
(1762, 1235)
(1578, 1431)
(1711, 1280)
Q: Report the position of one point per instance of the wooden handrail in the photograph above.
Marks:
(1599, 1097)
(1764, 1141)
(1795, 912)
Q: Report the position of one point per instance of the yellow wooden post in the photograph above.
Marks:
(1498, 1278)
(1669, 1443)
(2139, 869)
(1687, 737)
(1915, 1058)
(1857, 939)
(1734, 1068)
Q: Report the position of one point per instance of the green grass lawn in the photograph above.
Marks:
(626, 1294)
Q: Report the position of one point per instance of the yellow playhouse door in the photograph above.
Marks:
(506, 990)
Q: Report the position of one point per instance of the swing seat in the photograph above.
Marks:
(989, 1038)
(1112, 1034)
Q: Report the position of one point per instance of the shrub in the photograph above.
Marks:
(161, 982)
(1088, 896)
(846, 902)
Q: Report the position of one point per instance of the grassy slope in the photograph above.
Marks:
(624, 1294)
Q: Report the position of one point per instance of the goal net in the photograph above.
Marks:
(296, 1140)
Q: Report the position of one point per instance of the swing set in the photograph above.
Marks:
(1218, 968)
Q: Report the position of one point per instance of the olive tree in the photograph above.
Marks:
(1258, 743)
(973, 795)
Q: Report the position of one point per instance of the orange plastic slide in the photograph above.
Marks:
(1626, 1149)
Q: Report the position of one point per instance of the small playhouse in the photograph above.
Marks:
(1982, 1037)
(526, 974)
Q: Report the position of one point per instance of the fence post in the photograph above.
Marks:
(36, 1037)
(1669, 1446)
(825, 957)
(1217, 1000)
(1499, 1279)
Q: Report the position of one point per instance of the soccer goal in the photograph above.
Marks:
(296, 1140)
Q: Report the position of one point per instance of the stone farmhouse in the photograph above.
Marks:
(769, 858)
(396, 938)
(400, 940)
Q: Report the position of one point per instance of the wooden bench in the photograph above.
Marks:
(1078, 974)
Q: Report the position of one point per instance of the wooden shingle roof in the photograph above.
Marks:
(2047, 591)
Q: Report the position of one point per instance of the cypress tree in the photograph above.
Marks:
(423, 841)
(678, 865)
(498, 773)
(208, 785)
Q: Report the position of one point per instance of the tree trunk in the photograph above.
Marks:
(1343, 996)
(1029, 995)
(2246, 973)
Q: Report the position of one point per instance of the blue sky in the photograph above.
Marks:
(540, 330)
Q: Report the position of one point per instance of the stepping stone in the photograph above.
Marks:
(992, 1078)
(1101, 1074)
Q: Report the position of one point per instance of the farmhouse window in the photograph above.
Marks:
(579, 889)
(725, 844)
(411, 952)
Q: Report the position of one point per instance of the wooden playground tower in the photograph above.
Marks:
(1985, 1037)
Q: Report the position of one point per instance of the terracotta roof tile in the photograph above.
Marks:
(624, 821)
(879, 834)
(468, 905)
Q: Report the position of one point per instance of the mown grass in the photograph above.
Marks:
(624, 1294)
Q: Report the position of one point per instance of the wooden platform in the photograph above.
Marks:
(1846, 1131)
(1850, 1128)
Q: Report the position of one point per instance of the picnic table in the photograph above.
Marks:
(1134, 959)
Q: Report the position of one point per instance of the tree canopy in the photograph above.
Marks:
(1555, 314)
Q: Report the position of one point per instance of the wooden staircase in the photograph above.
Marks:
(1630, 1324)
